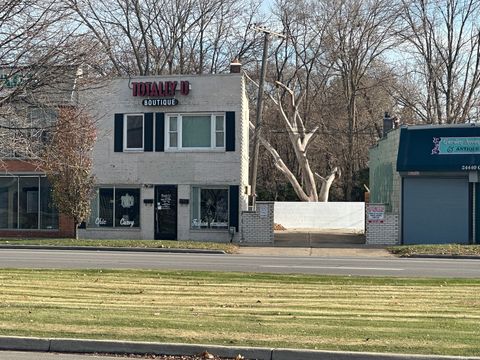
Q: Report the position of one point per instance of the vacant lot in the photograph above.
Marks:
(339, 313)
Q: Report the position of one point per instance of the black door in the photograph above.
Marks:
(166, 212)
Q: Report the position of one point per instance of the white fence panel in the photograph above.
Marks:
(320, 215)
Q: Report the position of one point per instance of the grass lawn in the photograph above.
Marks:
(450, 249)
(428, 316)
(229, 248)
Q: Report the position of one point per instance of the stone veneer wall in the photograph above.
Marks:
(257, 226)
(386, 233)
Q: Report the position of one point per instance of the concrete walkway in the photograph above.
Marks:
(316, 242)
(347, 251)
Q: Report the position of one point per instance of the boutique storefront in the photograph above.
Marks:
(171, 159)
(427, 178)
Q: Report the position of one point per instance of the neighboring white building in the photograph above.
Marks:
(171, 159)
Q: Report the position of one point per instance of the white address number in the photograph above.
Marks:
(470, 167)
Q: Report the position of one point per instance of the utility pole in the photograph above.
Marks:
(258, 122)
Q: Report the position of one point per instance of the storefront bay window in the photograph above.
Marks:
(26, 203)
(209, 208)
(115, 207)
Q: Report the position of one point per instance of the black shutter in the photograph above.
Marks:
(148, 132)
(230, 131)
(159, 132)
(234, 204)
(118, 133)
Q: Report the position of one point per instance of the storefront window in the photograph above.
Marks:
(26, 203)
(127, 207)
(48, 211)
(209, 208)
(134, 132)
(8, 202)
(119, 204)
(105, 208)
(195, 131)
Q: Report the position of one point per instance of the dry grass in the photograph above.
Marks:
(163, 244)
(358, 314)
(448, 249)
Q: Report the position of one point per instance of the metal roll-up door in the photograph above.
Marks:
(435, 211)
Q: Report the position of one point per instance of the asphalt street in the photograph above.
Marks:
(362, 266)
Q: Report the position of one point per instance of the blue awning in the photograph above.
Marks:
(439, 148)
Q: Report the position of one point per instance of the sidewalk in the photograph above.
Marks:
(330, 250)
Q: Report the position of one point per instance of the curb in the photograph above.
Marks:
(419, 256)
(105, 248)
(141, 348)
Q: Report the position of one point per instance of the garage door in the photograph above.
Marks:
(435, 211)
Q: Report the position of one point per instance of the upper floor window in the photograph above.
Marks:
(198, 131)
(133, 133)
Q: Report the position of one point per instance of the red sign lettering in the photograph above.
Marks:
(159, 88)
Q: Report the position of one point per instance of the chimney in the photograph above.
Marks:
(235, 66)
(387, 123)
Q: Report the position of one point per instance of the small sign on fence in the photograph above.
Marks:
(375, 213)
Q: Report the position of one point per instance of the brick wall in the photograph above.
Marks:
(65, 230)
(19, 166)
(386, 233)
(257, 226)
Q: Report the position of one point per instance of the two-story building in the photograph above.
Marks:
(30, 100)
(171, 158)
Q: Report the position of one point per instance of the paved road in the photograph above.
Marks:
(365, 266)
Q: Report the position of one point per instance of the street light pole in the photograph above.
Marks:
(259, 122)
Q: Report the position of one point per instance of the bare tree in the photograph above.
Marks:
(443, 74)
(359, 34)
(300, 140)
(67, 160)
(38, 52)
(143, 38)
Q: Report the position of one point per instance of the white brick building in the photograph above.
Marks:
(171, 159)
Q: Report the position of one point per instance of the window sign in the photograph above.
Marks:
(127, 210)
(133, 132)
(165, 201)
(115, 208)
(209, 208)
(195, 131)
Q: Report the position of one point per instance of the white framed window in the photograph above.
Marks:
(133, 132)
(210, 208)
(195, 131)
